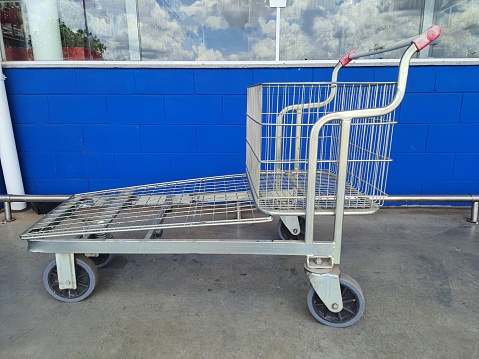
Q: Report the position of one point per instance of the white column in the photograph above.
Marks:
(133, 22)
(44, 29)
(8, 149)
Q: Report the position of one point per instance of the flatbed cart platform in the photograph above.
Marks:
(312, 149)
(218, 200)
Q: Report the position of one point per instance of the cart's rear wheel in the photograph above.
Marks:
(285, 234)
(86, 278)
(102, 259)
(353, 305)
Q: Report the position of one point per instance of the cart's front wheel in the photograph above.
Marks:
(86, 278)
(285, 234)
(353, 305)
(102, 259)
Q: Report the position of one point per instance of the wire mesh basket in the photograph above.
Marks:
(280, 117)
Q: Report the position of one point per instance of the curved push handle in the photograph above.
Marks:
(420, 41)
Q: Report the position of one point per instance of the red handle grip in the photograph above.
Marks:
(427, 37)
(345, 59)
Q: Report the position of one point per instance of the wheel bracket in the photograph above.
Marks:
(66, 270)
(328, 288)
(292, 223)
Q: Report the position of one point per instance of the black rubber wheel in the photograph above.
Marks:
(102, 260)
(285, 234)
(86, 278)
(353, 305)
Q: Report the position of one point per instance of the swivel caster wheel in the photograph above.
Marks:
(86, 277)
(353, 305)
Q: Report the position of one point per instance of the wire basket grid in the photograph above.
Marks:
(279, 120)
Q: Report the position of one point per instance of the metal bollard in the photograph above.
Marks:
(474, 213)
(8, 212)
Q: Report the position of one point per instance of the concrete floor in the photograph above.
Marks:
(418, 268)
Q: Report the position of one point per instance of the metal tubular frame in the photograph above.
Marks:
(345, 118)
(10, 198)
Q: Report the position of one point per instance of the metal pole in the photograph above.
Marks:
(403, 198)
(278, 4)
(278, 24)
(432, 198)
(7, 199)
(33, 198)
(8, 212)
(473, 199)
(474, 213)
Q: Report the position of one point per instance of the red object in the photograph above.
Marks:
(16, 54)
(345, 59)
(11, 16)
(426, 38)
(80, 53)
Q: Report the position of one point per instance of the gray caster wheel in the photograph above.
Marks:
(353, 305)
(285, 234)
(86, 278)
(102, 260)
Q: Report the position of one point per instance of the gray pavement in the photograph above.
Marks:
(418, 268)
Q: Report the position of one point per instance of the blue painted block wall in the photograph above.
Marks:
(82, 130)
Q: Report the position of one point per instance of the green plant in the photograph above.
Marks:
(80, 38)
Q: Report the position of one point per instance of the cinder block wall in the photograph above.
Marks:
(82, 130)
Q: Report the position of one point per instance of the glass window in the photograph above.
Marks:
(460, 24)
(228, 30)
(14, 39)
(98, 26)
(328, 29)
(206, 30)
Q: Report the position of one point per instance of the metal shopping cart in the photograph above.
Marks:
(311, 149)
